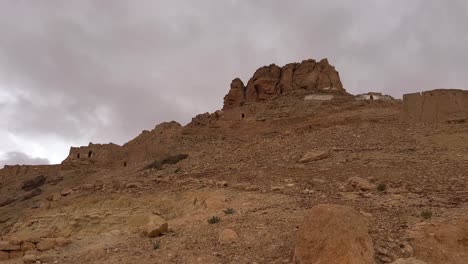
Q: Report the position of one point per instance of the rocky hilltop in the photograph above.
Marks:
(293, 170)
(271, 81)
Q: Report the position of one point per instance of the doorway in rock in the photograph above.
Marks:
(78, 155)
(90, 153)
(243, 115)
(125, 164)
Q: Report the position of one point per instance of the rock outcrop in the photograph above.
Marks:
(334, 234)
(271, 81)
(236, 95)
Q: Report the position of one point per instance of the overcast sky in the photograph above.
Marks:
(73, 72)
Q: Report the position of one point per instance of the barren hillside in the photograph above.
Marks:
(238, 185)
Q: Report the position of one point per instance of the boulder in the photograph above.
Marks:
(33, 183)
(66, 192)
(408, 261)
(359, 184)
(227, 236)
(441, 241)
(333, 234)
(314, 156)
(155, 226)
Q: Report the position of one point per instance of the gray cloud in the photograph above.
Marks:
(19, 158)
(103, 71)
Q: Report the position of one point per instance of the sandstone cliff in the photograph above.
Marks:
(271, 81)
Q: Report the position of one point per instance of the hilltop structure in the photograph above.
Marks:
(436, 106)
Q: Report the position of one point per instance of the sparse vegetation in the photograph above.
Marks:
(229, 211)
(426, 214)
(382, 187)
(214, 220)
(156, 245)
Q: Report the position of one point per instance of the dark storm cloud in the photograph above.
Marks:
(104, 70)
(18, 158)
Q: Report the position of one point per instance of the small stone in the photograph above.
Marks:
(66, 192)
(227, 236)
(136, 185)
(366, 214)
(290, 185)
(277, 188)
(314, 156)
(223, 183)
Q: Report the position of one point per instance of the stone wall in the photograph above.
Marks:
(436, 106)
(96, 154)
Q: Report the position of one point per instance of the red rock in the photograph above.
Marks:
(236, 95)
(334, 234)
(271, 81)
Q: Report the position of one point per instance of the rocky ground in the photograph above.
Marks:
(245, 192)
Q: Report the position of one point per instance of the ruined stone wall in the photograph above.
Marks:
(436, 106)
(96, 154)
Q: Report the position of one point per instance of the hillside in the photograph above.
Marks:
(289, 140)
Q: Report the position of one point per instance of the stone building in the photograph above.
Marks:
(436, 106)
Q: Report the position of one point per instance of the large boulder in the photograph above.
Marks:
(334, 234)
(155, 226)
(441, 242)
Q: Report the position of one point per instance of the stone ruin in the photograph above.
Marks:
(268, 82)
(97, 154)
(436, 106)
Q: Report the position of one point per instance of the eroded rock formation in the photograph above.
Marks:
(270, 81)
